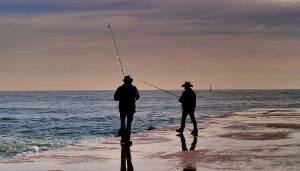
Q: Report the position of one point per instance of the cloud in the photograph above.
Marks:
(54, 6)
(198, 36)
(192, 17)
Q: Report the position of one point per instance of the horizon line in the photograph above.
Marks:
(150, 89)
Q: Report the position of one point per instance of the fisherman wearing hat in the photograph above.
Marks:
(188, 101)
(126, 94)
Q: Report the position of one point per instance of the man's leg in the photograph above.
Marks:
(128, 126)
(183, 118)
(122, 130)
(192, 115)
(129, 120)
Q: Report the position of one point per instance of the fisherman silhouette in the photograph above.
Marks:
(188, 101)
(126, 156)
(190, 165)
(126, 94)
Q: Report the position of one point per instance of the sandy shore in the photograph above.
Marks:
(257, 139)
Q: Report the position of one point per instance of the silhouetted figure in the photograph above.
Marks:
(126, 94)
(126, 156)
(188, 101)
(188, 166)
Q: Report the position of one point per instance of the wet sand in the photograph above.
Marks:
(257, 139)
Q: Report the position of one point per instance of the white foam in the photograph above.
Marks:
(34, 148)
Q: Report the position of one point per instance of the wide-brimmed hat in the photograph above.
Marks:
(187, 84)
(127, 79)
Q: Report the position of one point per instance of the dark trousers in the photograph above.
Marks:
(126, 130)
(185, 113)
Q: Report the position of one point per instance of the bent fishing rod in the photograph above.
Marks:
(117, 51)
(121, 67)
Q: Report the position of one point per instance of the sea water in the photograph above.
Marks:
(38, 121)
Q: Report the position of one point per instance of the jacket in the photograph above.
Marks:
(188, 99)
(127, 94)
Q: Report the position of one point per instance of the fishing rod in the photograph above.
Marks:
(158, 88)
(122, 70)
(117, 51)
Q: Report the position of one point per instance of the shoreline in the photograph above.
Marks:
(256, 139)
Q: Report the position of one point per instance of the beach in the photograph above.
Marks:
(77, 75)
(255, 139)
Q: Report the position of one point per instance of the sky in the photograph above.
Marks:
(230, 44)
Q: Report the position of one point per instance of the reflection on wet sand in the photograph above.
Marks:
(126, 156)
(191, 165)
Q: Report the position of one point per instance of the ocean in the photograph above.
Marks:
(44, 120)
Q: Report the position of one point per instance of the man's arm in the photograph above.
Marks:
(117, 95)
(137, 94)
(181, 98)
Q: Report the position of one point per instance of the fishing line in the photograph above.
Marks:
(121, 67)
(158, 88)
